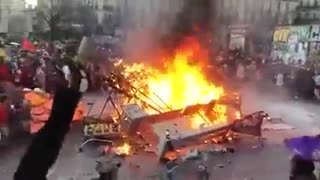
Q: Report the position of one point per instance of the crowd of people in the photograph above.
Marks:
(54, 68)
(40, 66)
(302, 79)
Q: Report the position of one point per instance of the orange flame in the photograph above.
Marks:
(181, 83)
(125, 149)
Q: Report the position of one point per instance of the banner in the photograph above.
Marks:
(281, 34)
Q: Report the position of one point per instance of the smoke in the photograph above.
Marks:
(193, 20)
(146, 22)
(152, 26)
(140, 45)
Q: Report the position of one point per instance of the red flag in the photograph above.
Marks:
(27, 45)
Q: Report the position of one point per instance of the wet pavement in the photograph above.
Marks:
(248, 162)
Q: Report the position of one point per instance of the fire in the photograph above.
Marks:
(183, 84)
(201, 120)
(180, 84)
(125, 149)
(238, 115)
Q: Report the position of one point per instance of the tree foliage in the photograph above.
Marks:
(62, 14)
(87, 17)
(52, 13)
(111, 20)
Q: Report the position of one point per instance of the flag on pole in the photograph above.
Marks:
(27, 45)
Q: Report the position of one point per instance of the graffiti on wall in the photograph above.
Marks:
(281, 34)
(291, 43)
(298, 34)
(314, 33)
(314, 50)
(314, 42)
(278, 46)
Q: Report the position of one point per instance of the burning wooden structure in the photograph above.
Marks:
(188, 122)
(177, 99)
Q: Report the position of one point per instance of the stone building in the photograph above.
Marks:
(308, 12)
(15, 17)
(249, 24)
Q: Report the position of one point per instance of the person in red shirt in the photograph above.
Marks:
(4, 116)
(27, 74)
(4, 72)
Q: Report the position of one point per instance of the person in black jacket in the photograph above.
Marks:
(302, 169)
(46, 145)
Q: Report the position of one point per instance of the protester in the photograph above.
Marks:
(90, 69)
(84, 81)
(302, 169)
(304, 84)
(4, 71)
(280, 79)
(45, 147)
(203, 173)
(41, 77)
(317, 86)
(54, 76)
(108, 171)
(309, 84)
(240, 71)
(4, 130)
(27, 75)
(66, 71)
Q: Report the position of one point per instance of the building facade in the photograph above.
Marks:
(301, 40)
(308, 12)
(249, 24)
(15, 17)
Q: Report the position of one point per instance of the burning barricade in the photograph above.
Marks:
(176, 97)
(168, 108)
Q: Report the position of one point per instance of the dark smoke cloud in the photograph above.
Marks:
(193, 20)
(165, 28)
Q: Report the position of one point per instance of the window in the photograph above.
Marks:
(91, 3)
(314, 15)
(304, 3)
(312, 3)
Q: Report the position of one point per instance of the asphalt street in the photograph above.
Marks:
(248, 162)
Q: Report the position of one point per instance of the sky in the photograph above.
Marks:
(31, 2)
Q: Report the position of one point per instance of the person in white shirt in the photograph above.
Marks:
(317, 86)
(84, 84)
(280, 79)
(41, 77)
(67, 74)
(240, 71)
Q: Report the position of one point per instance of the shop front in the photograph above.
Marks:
(291, 44)
(314, 41)
(238, 37)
